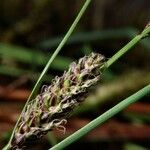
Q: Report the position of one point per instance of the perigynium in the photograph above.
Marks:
(53, 105)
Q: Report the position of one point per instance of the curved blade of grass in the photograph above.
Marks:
(85, 37)
(15, 72)
(91, 36)
(102, 118)
(30, 56)
(62, 43)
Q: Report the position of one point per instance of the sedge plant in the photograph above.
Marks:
(51, 107)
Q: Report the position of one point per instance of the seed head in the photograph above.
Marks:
(54, 104)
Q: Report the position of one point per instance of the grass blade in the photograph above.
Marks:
(127, 47)
(37, 85)
(31, 56)
(102, 118)
(16, 72)
(85, 37)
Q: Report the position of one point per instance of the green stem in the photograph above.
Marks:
(104, 117)
(127, 47)
(101, 119)
(38, 83)
(60, 46)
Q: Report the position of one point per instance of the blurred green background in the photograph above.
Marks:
(30, 31)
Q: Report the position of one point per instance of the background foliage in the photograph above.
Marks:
(31, 30)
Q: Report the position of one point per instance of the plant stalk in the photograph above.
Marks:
(127, 47)
(38, 83)
(102, 118)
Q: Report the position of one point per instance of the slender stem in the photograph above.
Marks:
(60, 46)
(127, 47)
(114, 110)
(121, 52)
(101, 119)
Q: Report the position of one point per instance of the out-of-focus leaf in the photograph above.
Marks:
(26, 55)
